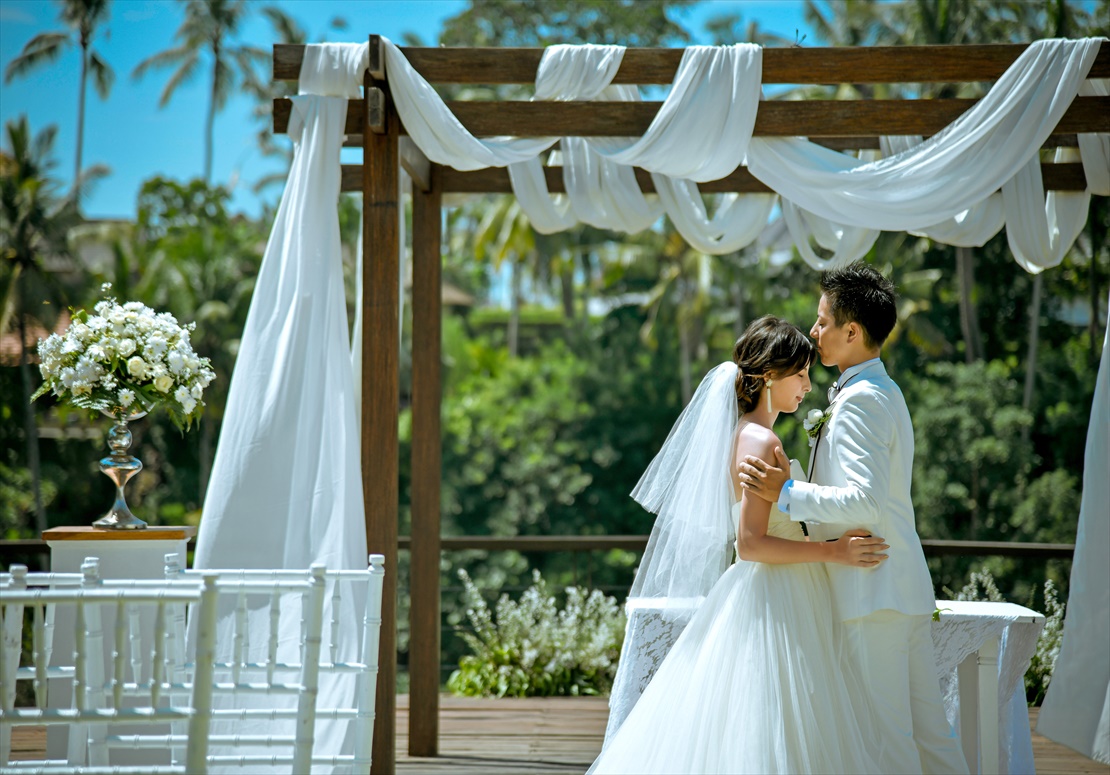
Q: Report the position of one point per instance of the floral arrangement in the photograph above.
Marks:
(813, 422)
(125, 359)
(531, 648)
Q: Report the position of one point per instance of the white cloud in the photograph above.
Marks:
(14, 15)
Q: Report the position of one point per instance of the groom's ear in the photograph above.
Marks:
(855, 331)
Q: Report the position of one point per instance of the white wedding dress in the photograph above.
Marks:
(756, 683)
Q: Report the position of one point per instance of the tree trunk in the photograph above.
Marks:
(80, 120)
(514, 309)
(969, 315)
(741, 314)
(210, 120)
(566, 284)
(685, 362)
(1031, 352)
(30, 428)
(205, 472)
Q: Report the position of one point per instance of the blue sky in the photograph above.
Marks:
(137, 140)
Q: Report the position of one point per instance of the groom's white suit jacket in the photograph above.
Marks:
(860, 477)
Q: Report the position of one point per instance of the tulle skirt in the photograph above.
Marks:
(757, 683)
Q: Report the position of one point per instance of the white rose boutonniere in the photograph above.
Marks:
(813, 422)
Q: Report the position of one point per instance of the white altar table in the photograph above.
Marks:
(982, 652)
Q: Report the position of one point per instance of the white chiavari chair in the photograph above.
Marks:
(98, 697)
(363, 586)
(240, 677)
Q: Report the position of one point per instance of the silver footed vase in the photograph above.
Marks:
(120, 466)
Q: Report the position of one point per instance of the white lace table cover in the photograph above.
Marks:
(963, 627)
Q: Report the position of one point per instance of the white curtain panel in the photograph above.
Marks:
(1076, 710)
(286, 486)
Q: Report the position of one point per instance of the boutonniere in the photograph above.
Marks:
(813, 422)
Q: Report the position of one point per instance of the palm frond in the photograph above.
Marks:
(162, 59)
(185, 73)
(103, 75)
(39, 50)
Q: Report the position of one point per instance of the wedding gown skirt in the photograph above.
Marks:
(757, 683)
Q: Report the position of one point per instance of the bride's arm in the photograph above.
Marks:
(754, 545)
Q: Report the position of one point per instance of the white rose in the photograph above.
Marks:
(126, 347)
(814, 416)
(156, 346)
(163, 383)
(137, 368)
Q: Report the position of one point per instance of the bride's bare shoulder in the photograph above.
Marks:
(757, 441)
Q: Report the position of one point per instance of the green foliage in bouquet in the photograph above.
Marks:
(531, 648)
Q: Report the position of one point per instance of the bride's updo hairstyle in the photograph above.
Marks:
(769, 346)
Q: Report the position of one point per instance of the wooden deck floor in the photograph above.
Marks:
(548, 735)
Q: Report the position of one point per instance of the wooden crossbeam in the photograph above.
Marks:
(876, 64)
(862, 143)
(808, 118)
(1066, 176)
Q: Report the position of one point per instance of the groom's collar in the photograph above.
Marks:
(854, 371)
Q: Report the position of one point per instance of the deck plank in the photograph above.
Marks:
(546, 735)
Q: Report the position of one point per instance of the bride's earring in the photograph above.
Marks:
(769, 383)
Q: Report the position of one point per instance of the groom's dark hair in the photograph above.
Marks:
(858, 293)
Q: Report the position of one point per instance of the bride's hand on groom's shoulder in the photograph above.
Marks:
(859, 549)
(764, 479)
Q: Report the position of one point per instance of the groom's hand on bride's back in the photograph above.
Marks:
(859, 549)
(764, 479)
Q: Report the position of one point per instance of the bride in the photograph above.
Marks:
(756, 682)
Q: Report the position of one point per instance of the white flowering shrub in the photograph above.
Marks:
(125, 358)
(1039, 674)
(981, 586)
(531, 648)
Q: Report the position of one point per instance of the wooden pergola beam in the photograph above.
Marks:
(1066, 176)
(380, 399)
(801, 118)
(860, 143)
(879, 64)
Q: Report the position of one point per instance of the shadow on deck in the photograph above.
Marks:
(564, 734)
(546, 735)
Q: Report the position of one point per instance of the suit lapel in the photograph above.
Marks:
(873, 370)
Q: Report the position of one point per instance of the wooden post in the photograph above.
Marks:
(380, 390)
(427, 294)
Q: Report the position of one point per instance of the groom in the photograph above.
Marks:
(859, 476)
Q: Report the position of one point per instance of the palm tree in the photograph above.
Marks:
(82, 17)
(209, 26)
(33, 224)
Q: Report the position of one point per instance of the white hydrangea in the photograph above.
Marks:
(122, 356)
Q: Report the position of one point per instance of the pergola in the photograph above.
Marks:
(373, 124)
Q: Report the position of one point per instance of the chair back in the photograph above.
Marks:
(98, 696)
(364, 588)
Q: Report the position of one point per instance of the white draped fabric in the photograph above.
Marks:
(1076, 710)
(951, 171)
(945, 187)
(286, 486)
